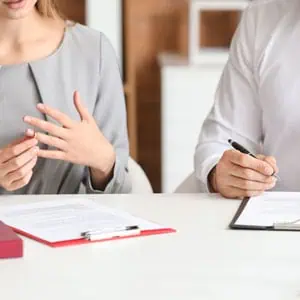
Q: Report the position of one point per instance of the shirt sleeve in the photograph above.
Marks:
(236, 113)
(110, 115)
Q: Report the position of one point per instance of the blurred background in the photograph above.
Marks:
(172, 53)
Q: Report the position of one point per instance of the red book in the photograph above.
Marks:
(11, 246)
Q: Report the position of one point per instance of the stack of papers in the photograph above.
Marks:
(270, 211)
(61, 221)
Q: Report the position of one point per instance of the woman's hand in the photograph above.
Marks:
(17, 161)
(80, 143)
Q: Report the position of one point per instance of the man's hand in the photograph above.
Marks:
(16, 163)
(239, 175)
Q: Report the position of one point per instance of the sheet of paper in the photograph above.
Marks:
(65, 219)
(271, 208)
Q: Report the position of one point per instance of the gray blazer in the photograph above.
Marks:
(87, 62)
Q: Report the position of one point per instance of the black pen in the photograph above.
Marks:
(242, 149)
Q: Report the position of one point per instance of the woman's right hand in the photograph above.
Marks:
(17, 161)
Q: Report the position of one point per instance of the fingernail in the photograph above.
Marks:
(274, 179)
(35, 149)
(268, 171)
(40, 106)
(30, 132)
(27, 119)
(272, 184)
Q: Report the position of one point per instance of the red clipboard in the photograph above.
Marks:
(83, 241)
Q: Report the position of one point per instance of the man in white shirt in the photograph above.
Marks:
(257, 105)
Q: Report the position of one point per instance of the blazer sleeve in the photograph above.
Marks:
(236, 113)
(110, 114)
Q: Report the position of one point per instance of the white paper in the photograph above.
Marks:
(66, 219)
(271, 208)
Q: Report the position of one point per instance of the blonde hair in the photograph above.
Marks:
(49, 8)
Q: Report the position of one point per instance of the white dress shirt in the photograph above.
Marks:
(258, 99)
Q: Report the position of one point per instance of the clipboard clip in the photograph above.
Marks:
(293, 225)
(94, 235)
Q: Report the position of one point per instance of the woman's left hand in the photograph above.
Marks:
(76, 142)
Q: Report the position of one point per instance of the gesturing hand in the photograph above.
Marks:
(239, 175)
(77, 142)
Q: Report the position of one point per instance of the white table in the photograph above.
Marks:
(204, 260)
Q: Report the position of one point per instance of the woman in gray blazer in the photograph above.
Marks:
(62, 109)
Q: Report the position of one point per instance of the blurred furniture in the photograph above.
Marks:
(140, 181)
(73, 10)
(203, 261)
(150, 26)
(218, 52)
(190, 185)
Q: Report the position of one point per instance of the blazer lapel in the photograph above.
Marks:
(60, 74)
(53, 88)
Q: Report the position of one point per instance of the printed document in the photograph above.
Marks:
(67, 218)
(271, 208)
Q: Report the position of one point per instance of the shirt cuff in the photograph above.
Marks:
(120, 182)
(206, 167)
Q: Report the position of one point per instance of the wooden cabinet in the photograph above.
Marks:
(150, 27)
(73, 10)
(218, 27)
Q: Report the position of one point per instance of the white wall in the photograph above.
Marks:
(187, 97)
(106, 16)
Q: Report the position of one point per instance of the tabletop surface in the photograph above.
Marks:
(203, 260)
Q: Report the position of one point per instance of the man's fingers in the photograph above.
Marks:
(239, 175)
(246, 161)
(236, 193)
(261, 156)
(249, 174)
(250, 185)
(18, 162)
(272, 161)
(14, 151)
